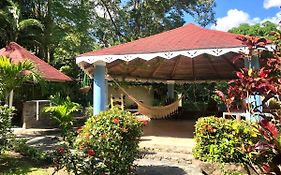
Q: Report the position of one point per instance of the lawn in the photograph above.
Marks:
(12, 163)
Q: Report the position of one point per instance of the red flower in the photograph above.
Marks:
(116, 120)
(60, 150)
(91, 152)
(79, 130)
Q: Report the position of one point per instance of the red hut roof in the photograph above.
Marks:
(17, 53)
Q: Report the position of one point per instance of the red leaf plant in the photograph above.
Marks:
(265, 82)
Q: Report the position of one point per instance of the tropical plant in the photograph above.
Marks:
(61, 111)
(14, 28)
(12, 75)
(265, 82)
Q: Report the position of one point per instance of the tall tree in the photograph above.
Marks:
(14, 28)
(122, 21)
(259, 30)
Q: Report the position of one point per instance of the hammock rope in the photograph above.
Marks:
(153, 112)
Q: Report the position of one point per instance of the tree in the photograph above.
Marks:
(14, 28)
(259, 30)
(12, 75)
(123, 21)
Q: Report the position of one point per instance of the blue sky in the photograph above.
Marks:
(232, 13)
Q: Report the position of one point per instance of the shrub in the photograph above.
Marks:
(106, 144)
(6, 114)
(224, 140)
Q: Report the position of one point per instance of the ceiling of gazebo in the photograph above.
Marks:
(180, 68)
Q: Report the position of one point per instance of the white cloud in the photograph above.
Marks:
(233, 18)
(275, 19)
(271, 3)
(236, 17)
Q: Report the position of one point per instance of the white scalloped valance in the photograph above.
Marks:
(166, 55)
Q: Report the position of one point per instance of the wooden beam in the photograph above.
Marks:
(193, 69)
(157, 68)
(230, 63)
(175, 66)
(113, 64)
(213, 67)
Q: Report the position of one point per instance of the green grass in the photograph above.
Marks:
(15, 164)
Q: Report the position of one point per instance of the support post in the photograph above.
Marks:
(171, 89)
(254, 100)
(99, 88)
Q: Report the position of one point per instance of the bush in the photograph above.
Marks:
(224, 140)
(106, 144)
(6, 114)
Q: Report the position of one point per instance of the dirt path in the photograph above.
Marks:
(166, 147)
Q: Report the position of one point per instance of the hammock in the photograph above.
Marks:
(153, 112)
(85, 84)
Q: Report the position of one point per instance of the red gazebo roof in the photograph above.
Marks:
(17, 53)
(186, 53)
(188, 37)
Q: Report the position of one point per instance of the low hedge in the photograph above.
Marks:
(224, 140)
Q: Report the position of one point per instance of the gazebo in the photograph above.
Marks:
(187, 53)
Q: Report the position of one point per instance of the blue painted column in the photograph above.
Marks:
(254, 100)
(99, 102)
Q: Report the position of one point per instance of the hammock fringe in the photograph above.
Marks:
(153, 112)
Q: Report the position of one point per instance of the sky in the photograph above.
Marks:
(232, 13)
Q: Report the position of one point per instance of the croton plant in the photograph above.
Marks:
(265, 82)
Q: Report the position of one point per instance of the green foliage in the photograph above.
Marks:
(20, 146)
(259, 30)
(61, 110)
(223, 140)
(6, 114)
(13, 75)
(106, 144)
(14, 28)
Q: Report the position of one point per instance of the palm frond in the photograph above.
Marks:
(30, 23)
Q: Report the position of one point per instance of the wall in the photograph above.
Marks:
(29, 116)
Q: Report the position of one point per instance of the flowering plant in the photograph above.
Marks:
(106, 144)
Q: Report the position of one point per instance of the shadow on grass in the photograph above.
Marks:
(159, 170)
(14, 164)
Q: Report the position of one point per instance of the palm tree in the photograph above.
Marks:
(13, 75)
(13, 28)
